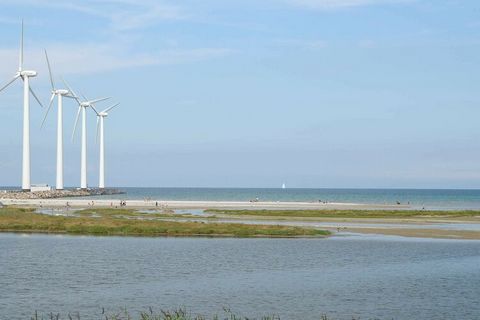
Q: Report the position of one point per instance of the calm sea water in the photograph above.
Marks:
(365, 276)
(419, 198)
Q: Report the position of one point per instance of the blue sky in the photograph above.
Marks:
(314, 93)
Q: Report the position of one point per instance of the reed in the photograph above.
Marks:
(150, 314)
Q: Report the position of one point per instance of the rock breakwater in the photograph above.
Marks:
(52, 194)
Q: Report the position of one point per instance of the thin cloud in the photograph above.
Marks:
(302, 43)
(93, 58)
(335, 4)
(100, 56)
(122, 15)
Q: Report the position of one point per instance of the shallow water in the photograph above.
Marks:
(472, 226)
(363, 276)
(329, 225)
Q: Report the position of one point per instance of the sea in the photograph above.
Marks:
(432, 199)
(429, 199)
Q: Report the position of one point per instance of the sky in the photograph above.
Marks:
(215, 93)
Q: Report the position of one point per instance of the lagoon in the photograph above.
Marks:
(342, 276)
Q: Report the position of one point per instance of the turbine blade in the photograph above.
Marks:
(73, 97)
(73, 94)
(76, 121)
(35, 96)
(83, 96)
(9, 83)
(20, 62)
(49, 70)
(49, 106)
(98, 100)
(94, 109)
(110, 108)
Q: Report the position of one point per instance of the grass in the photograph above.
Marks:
(124, 212)
(348, 213)
(179, 314)
(117, 222)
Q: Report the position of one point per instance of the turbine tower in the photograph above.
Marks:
(100, 131)
(59, 93)
(82, 107)
(25, 75)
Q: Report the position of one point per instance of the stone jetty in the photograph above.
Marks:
(52, 194)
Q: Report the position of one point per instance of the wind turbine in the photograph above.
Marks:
(82, 107)
(100, 118)
(25, 75)
(59, 93)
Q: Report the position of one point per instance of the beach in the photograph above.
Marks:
(184, 204)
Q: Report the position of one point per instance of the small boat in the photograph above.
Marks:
(283, 186)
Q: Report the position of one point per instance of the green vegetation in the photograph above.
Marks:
(116, 212)
(180, 314)
(348, 213)
(124, 222)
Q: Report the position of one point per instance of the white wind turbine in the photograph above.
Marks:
(59, 93)
(82, 106)
(100, 131)
(25, 75)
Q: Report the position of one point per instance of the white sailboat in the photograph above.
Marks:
(284, 186)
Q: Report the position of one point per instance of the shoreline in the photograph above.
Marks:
(204, 205)
(162, 235)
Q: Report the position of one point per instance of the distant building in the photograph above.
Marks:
(40, 187)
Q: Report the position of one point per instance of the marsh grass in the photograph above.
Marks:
(113, 222)
(178, 314)
(349, 213)
(124, 212)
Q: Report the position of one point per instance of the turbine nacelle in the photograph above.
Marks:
(62, 92)
(59, 93)
(85, 104)
(100, 117)
(27, 73)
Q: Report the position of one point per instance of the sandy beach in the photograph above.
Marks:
(167, 204)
